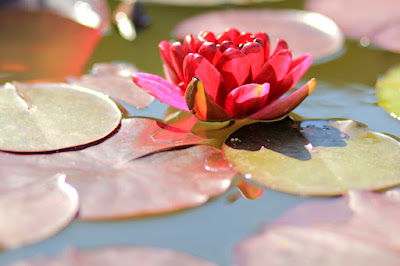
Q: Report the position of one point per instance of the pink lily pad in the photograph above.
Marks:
(53, 116)
(122, 256)
(153, 184)
(156, 184)
(33, 207)
(361, 228)
(115, 80)
(314, 157)
(376, 21)
(306, 32)
(206, 2)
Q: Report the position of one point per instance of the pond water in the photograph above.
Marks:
(345, 89)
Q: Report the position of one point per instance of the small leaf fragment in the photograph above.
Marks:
(388, 92)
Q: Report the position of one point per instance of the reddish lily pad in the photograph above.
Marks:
(150, 185)
(361, 229)
(91, 13)
(314, 157)
(375, 21)
(50, 48)
(115, 80)
(52, 116)
(33, 207)
(306, 32)
(388, 92)
(122, 256)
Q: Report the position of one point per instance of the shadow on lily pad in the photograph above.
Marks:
(286, 137)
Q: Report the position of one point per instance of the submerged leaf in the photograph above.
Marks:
(306, 32)
(33, 206)
(361, 229)
(159, 183)
(314, 157)
(388, 92)
(52, 116)
(122, 256)
(115, 80)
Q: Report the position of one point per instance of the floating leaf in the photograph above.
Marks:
(375, 21)
(150, 185)
(33, 207)
(90, 13)
(388, 92)
(43, 45)
(361, 229)
(53, 116)
(160, 183)
(314, 157)
(306, 32)
(122, 256)
(115, 80)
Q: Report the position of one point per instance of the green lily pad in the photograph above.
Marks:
(315, 157)
(388, 92)
(52, 116)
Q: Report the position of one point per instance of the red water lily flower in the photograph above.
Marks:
(230, 77)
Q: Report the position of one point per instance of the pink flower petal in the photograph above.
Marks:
(161, 89)
(246, 100)
(197, 66)
(283, 106)
(169, 70)
(189, 44)
(207, 36)
(235, 69)
(243, 38)
(171, 75)
(164, 48)
(266, 44)
(297, 69)
(230, 34)
(274, 71)
(255, 53)
(210, 52)
(226, 45)
(177, 56)
(281, 45)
